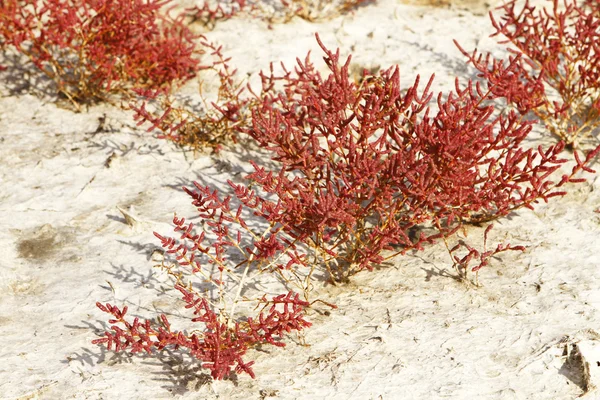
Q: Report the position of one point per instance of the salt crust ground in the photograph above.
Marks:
(407, 331)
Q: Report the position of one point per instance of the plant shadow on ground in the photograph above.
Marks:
(113, 148)
(182, 372)
(132, 276)
(149, 281)
(178, 373)
(98, 354)
(454, 65)
(573, 368)
(437, 272)
(22, 77)
(232, 162)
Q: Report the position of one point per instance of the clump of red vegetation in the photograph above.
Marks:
(222, 257)
(555, 59)
(219, 347)
(99, 48)
(365, 171)
(361, 166)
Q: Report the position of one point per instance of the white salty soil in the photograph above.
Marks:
(407, 331)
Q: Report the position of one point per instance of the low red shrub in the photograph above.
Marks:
(224, 258)
(362, 165)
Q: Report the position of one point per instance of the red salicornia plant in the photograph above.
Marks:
(223, 255)
(463, 264)
(555, 55)
(364, 165)
(362, 168)
(92, 49)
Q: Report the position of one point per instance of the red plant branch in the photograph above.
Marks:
(462, 264)
(556, 61)
(220, 347)
(225, 255)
